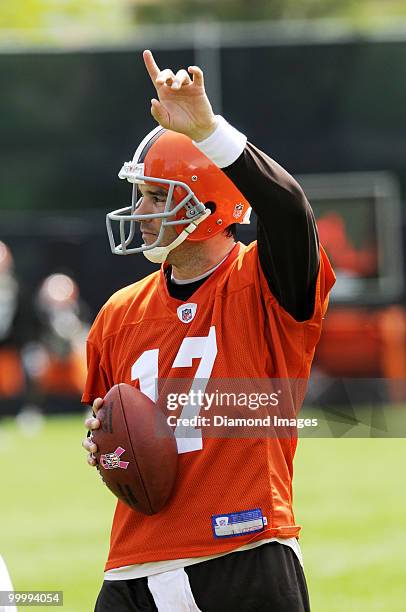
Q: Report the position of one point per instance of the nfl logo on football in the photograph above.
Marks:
(110, 461)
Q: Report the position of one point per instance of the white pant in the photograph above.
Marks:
(5, 585)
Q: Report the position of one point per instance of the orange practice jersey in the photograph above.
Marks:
(235, 328)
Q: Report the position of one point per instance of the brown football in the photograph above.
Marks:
(137, 453)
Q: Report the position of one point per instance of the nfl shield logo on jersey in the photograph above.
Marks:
(186, 312)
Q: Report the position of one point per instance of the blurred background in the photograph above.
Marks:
(320, 85)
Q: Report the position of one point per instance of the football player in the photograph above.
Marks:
(12, 321)
(227, 540)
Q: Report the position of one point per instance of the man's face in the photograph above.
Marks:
(153, 201)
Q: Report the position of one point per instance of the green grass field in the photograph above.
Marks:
(350, 498)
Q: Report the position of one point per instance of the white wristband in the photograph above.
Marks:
(224, 146)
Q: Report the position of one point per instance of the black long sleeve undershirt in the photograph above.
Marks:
(288, 245)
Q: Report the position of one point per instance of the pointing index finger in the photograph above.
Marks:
(150, 65)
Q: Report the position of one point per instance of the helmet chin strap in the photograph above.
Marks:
(159, 253)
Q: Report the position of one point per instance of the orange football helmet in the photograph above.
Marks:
(201, 202)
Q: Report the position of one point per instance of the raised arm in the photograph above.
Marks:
(288, 244)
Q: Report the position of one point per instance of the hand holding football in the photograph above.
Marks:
(136, 449)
